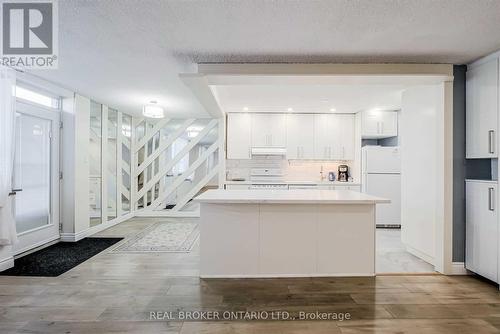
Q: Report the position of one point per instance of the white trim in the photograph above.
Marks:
(286, 275)
(458, 268)
(419, 254)
(72, 237)
(210, 175)
(483, 60)
(167, 214)
(6, 263)
(36, 245)
(164, 169)
(157, 127)
(179, 179)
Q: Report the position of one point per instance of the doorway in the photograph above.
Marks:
(36, 176)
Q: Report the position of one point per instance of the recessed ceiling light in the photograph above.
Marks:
(245, 108)
(333, 110)
(290, 109)
(152, 110)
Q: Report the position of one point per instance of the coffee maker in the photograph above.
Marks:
(343, 174)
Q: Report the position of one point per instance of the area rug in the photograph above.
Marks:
(163, 237)
(59, 258)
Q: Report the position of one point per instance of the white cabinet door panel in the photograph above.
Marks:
(269, 130)
(481, 255)
(379, 124)
(300, 136)
(482, 111)
(238, 136)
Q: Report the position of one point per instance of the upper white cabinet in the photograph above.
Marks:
(305, 136)
(345, 137)
(269, 130)
(481, 249)
(482, 110)
(334, 137)
(300, 136)
(239, 140)
(379, 124)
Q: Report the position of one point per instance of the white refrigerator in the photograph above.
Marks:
(381, 176)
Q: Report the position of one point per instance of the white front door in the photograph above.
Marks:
(36, 176)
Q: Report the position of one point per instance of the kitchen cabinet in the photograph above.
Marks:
(239, 136)
(269, 130)
(482, 110)
(481, 250)
(334, 137)
(379, 124)
(345, 137)
(299, 136)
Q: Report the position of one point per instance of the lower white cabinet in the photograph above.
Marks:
(481, 249)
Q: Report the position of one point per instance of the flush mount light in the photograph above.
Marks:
(245, 108)
(152, 110)
(290, 109)
(333, 110)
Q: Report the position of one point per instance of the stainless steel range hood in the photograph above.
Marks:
(269, 151)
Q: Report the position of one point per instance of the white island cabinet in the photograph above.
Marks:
(295, 233)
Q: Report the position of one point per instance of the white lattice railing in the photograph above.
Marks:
(174, 160)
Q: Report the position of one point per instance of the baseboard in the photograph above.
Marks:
(286, 275)
(6, 263)
(420, 254)
(458, 268)
(166, 214)
(73, 237)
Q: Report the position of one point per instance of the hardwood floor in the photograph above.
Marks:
(116, 293)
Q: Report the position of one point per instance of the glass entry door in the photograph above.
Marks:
(36, 176)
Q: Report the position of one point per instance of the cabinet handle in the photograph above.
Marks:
(491, 199)
(491, 141)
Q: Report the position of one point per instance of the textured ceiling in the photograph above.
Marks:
(127, 52)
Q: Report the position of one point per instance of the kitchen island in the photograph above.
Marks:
(287, 233)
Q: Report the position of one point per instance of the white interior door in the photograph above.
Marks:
(36, 176)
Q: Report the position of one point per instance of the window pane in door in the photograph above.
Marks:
(32, 172)
(111, 163)
(95, 156)
(126, 161)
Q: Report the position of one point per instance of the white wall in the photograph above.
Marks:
(421, 116)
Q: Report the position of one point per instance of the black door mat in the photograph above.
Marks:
(59, 258)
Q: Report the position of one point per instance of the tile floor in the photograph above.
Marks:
(115, 293)
(392, 256)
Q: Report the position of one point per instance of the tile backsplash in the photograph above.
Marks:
(293, 170)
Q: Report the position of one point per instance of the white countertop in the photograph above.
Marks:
(325, 182)
(301, 196)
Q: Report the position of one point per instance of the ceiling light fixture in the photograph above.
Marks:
(152, 110)
(333, 110)
(290, 109)
(245, 108)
